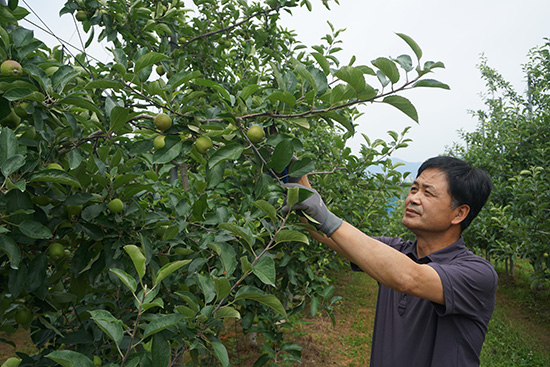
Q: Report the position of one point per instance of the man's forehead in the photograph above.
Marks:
(432, 178)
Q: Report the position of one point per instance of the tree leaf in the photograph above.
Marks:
(170, 151)
(282, 155)
(137, 258)
(268, 300)
(227, 152)
(292, 196)
(160, 351)
(220, 352)
(322, 61)
(301, 167)
(287, 235)
(282, 96)
(412, 44)
(213, 85)
(148, 59)
(353, 76)
(169, 269)
(222, 286)
(237, 231)
(161, 322)
(342, 120)
(431, 83)
(246, 266)
(248, 91)
(17, 94)
(228, 257)
(207, 286)
(314, 305)
(264, 269)
(125, 278)
(110, 325)
(388, 68)
(266, 208)
(55, 176)
(9, 246)
(306, 75)
(406, 62)
(68, 358)
(75, 158)
(227, 312)
(119, 117)
(12, 164)
(402, 104)
(81, 102)
(33, 229)
(8, 144)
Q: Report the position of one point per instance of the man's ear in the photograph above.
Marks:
(461, 212)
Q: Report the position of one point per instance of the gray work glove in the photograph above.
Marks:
(315, 208)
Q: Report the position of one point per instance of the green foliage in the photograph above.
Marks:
(199, 237)
(512, 143)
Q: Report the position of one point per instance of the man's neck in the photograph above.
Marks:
(427, 243)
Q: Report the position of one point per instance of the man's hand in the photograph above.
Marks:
(315, 208)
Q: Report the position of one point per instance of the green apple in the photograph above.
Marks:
(74, 209)
(41, 200)
(23, 316)
(115, 206)
(203, 144)
(55, 166)
(56, 250)
(159, 143)
(255, 134)
(29, 133)
(163, 121)
(81, 16)
(21, 109)
(11, 120)
(11, 68)
(160, 70)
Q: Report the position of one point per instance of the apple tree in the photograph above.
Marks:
(512, 144)
(140, 197)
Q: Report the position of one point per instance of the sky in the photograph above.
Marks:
(456, 33)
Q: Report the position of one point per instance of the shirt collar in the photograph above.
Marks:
(444, 255)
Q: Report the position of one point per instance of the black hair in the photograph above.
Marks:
(467, 185)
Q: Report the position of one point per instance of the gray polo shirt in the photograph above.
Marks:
(410, 331)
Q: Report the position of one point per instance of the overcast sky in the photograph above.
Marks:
(454, 32)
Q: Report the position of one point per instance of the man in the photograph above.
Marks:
(435, 297)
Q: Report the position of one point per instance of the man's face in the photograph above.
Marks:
(428, 206)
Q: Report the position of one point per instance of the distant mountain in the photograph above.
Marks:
(411, 167)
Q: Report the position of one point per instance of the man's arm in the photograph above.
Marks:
(382, 262)
(387, 265)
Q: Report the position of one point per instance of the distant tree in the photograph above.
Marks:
(512, 142)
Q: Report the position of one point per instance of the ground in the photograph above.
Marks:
(519, 333)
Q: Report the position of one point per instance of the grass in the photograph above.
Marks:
(518, 334)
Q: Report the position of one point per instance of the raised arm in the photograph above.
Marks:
(382, 262)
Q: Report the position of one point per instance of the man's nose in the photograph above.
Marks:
(415, 197)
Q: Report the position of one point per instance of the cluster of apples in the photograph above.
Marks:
(203, 144)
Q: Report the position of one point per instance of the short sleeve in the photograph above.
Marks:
(469, 287)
